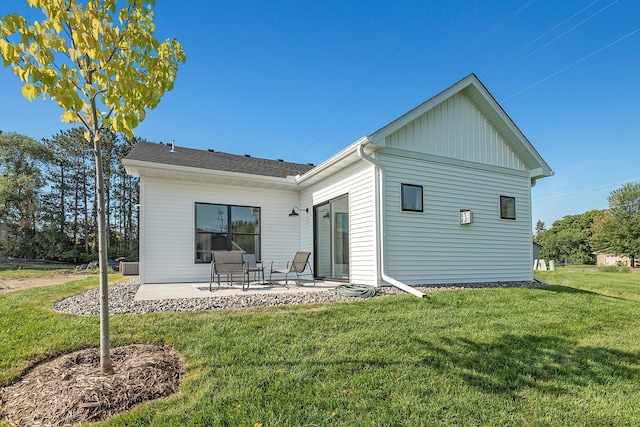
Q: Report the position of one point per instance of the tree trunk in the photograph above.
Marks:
(86, 207)
(76, 206)
(106, 364)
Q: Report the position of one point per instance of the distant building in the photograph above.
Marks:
(605, 258)
(537, 247)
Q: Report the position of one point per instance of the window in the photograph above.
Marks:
(412, 198)
(213, 232)
(507, 207)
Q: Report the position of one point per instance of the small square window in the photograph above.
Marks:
(507, 207)
(412, 198)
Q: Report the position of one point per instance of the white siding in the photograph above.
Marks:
(431, 247)
(358, 182)
(168, 233)
(456, 129)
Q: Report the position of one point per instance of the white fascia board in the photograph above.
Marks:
(138, 167)
(329, 166)
(379, 136)
(487, 105)
(540, 173)
(496, 109)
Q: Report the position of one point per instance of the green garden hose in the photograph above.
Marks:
(352, 290)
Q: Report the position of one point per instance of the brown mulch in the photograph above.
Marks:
(71, 389)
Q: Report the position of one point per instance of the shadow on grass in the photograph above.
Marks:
(512, 363)
(566, 290)
(569, 290)
(507, 365)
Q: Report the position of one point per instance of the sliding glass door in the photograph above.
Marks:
(331, 239)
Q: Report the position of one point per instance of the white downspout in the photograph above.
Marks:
(380, 230)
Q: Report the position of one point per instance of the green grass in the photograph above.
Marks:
(556, 356)
(619, 285)
(614, 269)
(19, 270)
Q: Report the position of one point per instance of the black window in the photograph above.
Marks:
(507, 207)
(214, 234)
(412, 198)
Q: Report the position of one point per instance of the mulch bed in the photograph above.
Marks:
(71, 389)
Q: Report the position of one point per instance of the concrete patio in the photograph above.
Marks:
(161, 291)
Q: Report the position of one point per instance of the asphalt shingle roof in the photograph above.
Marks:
(206, 159)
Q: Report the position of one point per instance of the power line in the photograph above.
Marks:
(572, 64)
(345, 116)
(556, 38)
(362, 82)
(457, 57)
(551, 30)
(596, 188)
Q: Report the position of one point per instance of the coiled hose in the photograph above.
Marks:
(352, 290)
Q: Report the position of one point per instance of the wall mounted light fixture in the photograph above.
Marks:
(294, 213)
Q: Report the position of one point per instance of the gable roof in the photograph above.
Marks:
(490, 109)
(214, 160)
(157, 160)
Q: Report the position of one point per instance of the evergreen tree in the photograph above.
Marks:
(21, 182)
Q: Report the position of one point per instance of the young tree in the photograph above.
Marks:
(104, 67)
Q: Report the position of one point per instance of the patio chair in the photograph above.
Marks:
(253, 266)
(227, 263)
(297, 266)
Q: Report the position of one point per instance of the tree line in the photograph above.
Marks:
(48, 206)
(616, 230)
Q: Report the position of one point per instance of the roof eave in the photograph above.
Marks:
(152, 169)
(344, 158)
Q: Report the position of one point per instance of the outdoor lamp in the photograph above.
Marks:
(294, 213)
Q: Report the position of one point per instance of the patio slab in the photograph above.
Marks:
(161, 291)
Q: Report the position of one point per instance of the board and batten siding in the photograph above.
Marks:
(357, 181)
(168, 218)
(456, 129)
(431, 247)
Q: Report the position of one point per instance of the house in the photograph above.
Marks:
(604, 258)
(439, 195)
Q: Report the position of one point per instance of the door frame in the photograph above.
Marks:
(327, 204)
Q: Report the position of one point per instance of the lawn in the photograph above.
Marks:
(555, 356)
(11, 270)
(621, 285)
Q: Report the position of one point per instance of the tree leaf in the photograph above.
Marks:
(29, 91)
(68, 117)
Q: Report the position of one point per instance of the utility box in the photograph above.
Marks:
(129, 268)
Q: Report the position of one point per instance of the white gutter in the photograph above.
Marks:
(380, 214)
(331, 161)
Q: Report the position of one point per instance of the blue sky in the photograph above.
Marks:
(301, 80)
